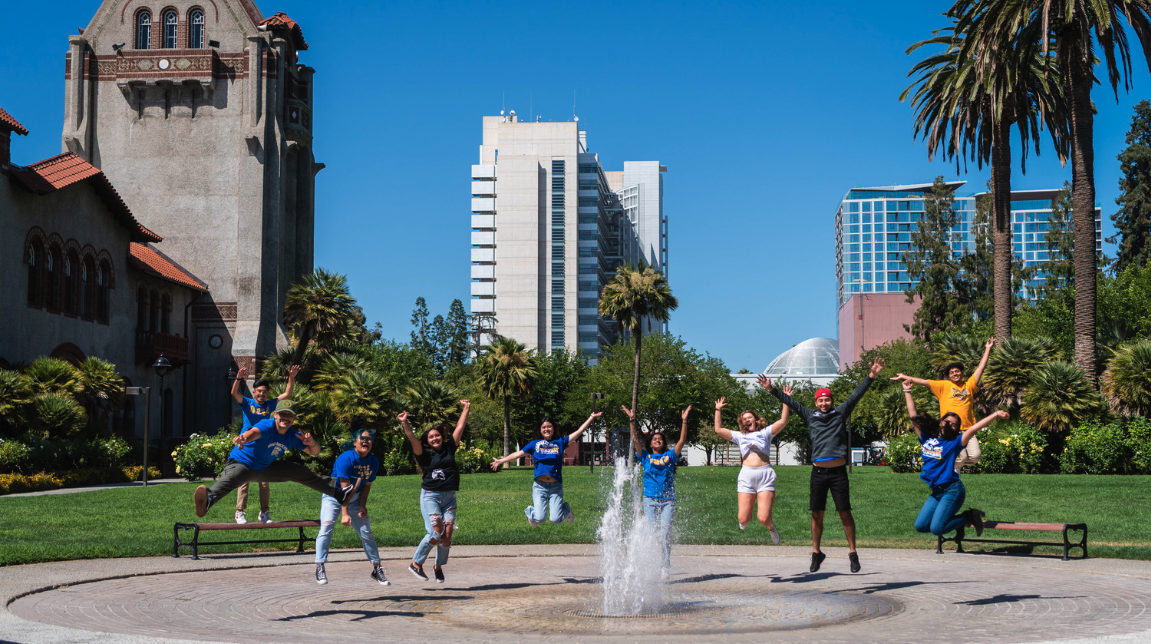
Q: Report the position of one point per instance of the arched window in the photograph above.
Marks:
(54, 266)
(35, 260)
(71, 282)
(171, 19)
(103, 294)
(87, 287)
(165, 314)
(154, 312)
(144, 30)
(141, 309)
(196, 29)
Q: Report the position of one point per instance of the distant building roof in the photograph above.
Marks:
(282, 21)
(152, 261)
(66, 169)
(814, 357)
(10, 123)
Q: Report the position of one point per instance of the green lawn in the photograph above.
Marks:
(128, 522)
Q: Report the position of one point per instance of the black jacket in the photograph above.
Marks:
(828, 430)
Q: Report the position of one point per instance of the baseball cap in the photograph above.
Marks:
(284, 406)
(820, 393)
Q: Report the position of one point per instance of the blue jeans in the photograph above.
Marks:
(439, 510)
(329, 514)
(548, 497)
(938, 515)
(660, 512)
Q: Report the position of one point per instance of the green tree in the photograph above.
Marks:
(1059, 270)
(52, 376)
(458, 330)
(632, 297)
(430, 401)
(1058, 397)
(101, 389)
(1133, 220)
(320, 307)
(1127, 381)
(1010, 368)
(507, 370)
(942, 288)
(363, 399)
(15, 395)
(421, 331)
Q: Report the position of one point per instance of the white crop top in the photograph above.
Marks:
(758, 442)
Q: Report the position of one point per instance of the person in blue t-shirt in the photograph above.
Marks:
(254, 459)
(659, 465)
(357, 463)
(941, 441)
(547, 454)
(253, 410)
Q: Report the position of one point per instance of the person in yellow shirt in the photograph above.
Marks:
(956, 395)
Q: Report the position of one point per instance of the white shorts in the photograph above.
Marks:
(753, 480)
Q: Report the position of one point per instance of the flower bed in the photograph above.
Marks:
(17, 483)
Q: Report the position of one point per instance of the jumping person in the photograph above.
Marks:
(548, 457)
(254, 459)
(436, 453)
(941, 440)
(828, 426)
(355, 464)
(659, 479)
(756, 478)
(957, 395)
(253, 410)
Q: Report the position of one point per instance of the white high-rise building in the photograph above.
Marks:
(550, 228)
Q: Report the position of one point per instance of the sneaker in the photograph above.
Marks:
(742, 527)
(816, 559)
(203, 500)
(321, 577)
(417, 572)
(854, 558)
(241, 518)
(775, 538)
(346, 494)
(265, 517)
(528, 513)
(439, 573)
(570, 518)
(975, 518)
(378, 575)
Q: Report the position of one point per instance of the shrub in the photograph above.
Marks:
(14, 456)
(1059, 397)
(1094, 448)
(57, 415)
(1127, 381)
(905, 454)
(203, 455)
(18, 483)
(1014, 448)
(1010, 367)
(1139, 444)
(476, 457)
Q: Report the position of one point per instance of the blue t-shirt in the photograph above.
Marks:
(254, 412)
(349, 466)
(259, 454)
(548, 457)
(939, 460)
(659, 474)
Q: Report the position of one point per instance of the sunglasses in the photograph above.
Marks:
(365, 439)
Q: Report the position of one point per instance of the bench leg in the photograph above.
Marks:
(959, 539)
(196, 542)
(300, 548)
(176, 542)
(939, 545)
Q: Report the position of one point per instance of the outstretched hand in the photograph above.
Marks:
(239, 441)
(496, 463)
(630, 413)
(596, 414)
(292, 371)
(685, 412)
(876, 367)
(241, 373)
(901, 376)
(1002, 414)
(466, 403)
(403, 417)
(720, 404)
(787, 389)
(764, 381)
(990, 343)
(304, 438)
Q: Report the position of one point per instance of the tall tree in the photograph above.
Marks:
(457, 334)
(320, 306)
(1075, 29)
(944, 294)
(507, 370)
(633, 296)
(437, 344)
(421, 332)
(1133, 221)
(1058, 270)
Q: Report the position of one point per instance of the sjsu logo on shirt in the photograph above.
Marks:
(363, 471)
(438, 475)
(660, 460)
(277, 449)
(259, 411)
(547, 448)
(960, 394)
(932, 449)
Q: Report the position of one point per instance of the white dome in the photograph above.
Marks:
(810, 358)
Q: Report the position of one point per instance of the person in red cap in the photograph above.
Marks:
(828, 426)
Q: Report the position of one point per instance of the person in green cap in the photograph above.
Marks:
(254, 459)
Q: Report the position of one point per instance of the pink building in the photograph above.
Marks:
(867, 320)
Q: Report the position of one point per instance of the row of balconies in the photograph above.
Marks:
(483, 239)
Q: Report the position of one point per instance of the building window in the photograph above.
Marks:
(87, 287)
(71, 283)
(54, 263)
(196, 29)
(144, 30)
(165, 313)
(154, 312)
(35, 260)
(103, 284)
(141, 309)
(171, 19)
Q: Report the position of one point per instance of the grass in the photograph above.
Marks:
(133, 522)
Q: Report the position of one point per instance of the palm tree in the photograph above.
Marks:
(321, 308)
(1010, 367)
(507, 369)
(961, 115)
(101, 388)
(1127, 381)
(633, 296)
(431, 401)
(1074, 29)
(363, 398)
(1059, 397)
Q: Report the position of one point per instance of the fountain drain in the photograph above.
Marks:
(595, 614)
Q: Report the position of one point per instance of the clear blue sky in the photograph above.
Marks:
(764, 113)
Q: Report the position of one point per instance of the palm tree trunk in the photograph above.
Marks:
(507, 424)
(638, 333)
(1080, 77)
(1001, 233)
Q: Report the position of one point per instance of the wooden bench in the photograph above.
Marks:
(195, 544)
(1066, 544)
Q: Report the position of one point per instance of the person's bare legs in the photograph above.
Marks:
(764, 502)
(745, 502)
(817, 530)
(848, 528)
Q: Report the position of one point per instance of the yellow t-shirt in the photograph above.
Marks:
(960, 400)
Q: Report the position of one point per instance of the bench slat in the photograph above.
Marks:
(257, 526)
(1011, 525)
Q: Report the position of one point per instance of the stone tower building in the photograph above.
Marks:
(200, 114)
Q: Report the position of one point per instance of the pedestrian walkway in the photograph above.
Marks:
(107, 486)
(716, 593)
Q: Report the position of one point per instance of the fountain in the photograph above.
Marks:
(629, 548)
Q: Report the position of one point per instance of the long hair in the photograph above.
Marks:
(756, 425)
(439, 427)
(653, 435)
(539, 435)
(930, 427)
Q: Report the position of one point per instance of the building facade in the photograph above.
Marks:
(550, 227)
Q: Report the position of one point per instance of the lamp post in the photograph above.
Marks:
(146, 392)
(591, 461)
(162, 367)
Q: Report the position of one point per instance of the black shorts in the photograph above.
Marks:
(829, 478)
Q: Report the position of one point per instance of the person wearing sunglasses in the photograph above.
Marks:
(356, 463)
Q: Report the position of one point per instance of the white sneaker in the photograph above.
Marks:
(241, 518)
(265, 517)
(775, 538)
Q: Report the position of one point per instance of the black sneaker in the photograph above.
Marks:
(321, 577)
(975, 518)
(347, 493)
(417, 572)
(378, 575)
(439, 573)
(854, 558)
(816, 559)
(203, 500)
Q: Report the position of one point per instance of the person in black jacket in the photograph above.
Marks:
(828, 426)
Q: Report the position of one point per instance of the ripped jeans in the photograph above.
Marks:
(330, 514)
(439, 510)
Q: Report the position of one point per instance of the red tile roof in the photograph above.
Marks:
(282, 21)
(6, 121)
(152, 261)
(66, 169)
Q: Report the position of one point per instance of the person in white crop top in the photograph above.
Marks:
(756, 482)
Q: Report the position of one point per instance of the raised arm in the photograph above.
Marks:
(635, 443)
(971, 431)
(784, 397)
(983, 361)
(292, 371)
(778, 425)
(507, 459)
(417, 449)
(723, 432)
(853, 399)
(911, 407)
(582, 428)
(682, 432)
(246, 437)
(462, 422)
(236, 395)
(311, 447)
(913, 380)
